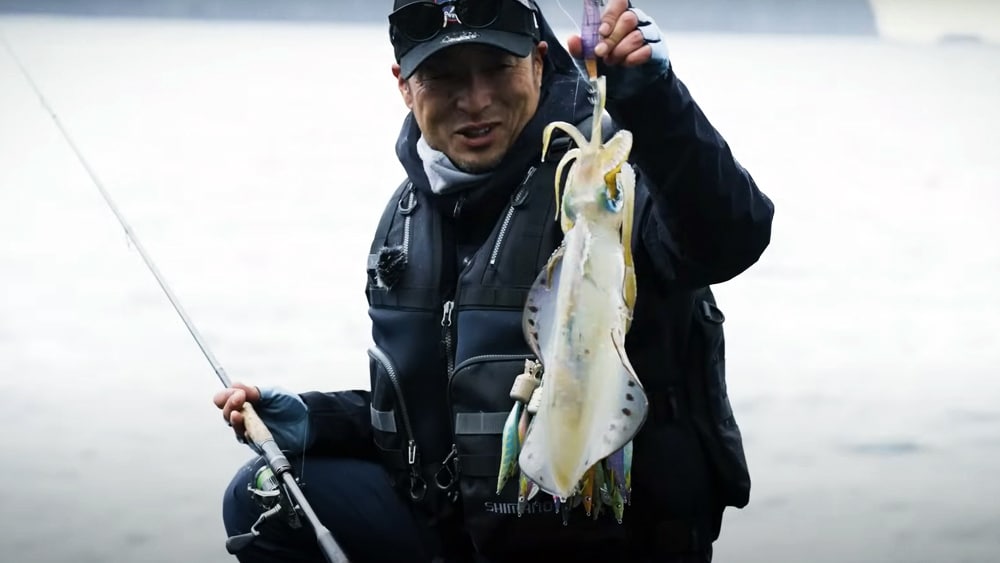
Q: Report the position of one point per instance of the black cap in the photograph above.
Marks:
(515, 30)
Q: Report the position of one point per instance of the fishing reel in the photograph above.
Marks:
(274, 500)
(268, 493)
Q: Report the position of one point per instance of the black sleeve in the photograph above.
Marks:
(341, 423)
(707, 221)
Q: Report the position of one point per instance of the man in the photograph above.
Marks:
(406, 471)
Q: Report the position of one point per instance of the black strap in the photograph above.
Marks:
(498, 297)
(405, 297)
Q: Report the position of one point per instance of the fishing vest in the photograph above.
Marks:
(444, 362)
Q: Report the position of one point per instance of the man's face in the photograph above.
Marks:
(472, 101)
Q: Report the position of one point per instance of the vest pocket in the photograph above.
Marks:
(393, 433)
(479, 397)
(718, 427)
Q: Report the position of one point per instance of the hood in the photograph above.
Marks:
(564, 97)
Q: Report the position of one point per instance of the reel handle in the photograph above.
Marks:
(236, 544)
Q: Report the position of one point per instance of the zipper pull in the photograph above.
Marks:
(521, 195)
(411, 452)
(531, 172)
(446, 317)
(452, 454)
(448, 473)
(418, 487)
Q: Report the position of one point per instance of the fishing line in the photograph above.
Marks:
(576, 89)
(568, 16)
(257, 431)
(216, 366)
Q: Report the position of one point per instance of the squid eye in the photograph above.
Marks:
(612, 199)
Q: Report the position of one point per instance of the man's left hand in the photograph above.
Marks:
(621, 41)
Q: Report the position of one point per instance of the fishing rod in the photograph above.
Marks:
(256, 430)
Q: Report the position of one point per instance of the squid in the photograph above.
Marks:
(579, 310)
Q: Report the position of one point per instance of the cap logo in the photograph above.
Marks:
(450, 16)
(464, 36)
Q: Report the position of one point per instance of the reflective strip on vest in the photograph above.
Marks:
(383, 420)
(480, 422)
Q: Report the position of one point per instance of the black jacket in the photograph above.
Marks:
(447, 333)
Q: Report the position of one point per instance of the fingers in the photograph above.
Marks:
(253, 393)
(620, 26)
(239, 427)
(231, 411)
(639, 56)
(250, 393)
(575, 46)
(221, 397)
(631, 50)
(622, 43)
(610, 17)
(231, 402)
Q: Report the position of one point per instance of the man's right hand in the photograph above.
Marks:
(231, 402)
(284, 413)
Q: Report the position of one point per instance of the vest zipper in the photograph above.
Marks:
(452, 457)
(519, 196)
(406, 223)
(417, 484)
(446, 323)
(500, 237)
(449, 306)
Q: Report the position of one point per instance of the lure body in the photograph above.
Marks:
(578, 312)
(616, 469)
(510, 444)
(627, 454)
(588, 33)
(588, 490)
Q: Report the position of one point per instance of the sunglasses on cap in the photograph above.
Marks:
(422, 21)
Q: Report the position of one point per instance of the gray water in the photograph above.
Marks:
(252, 161)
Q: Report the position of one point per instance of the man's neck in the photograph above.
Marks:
(442, 174)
